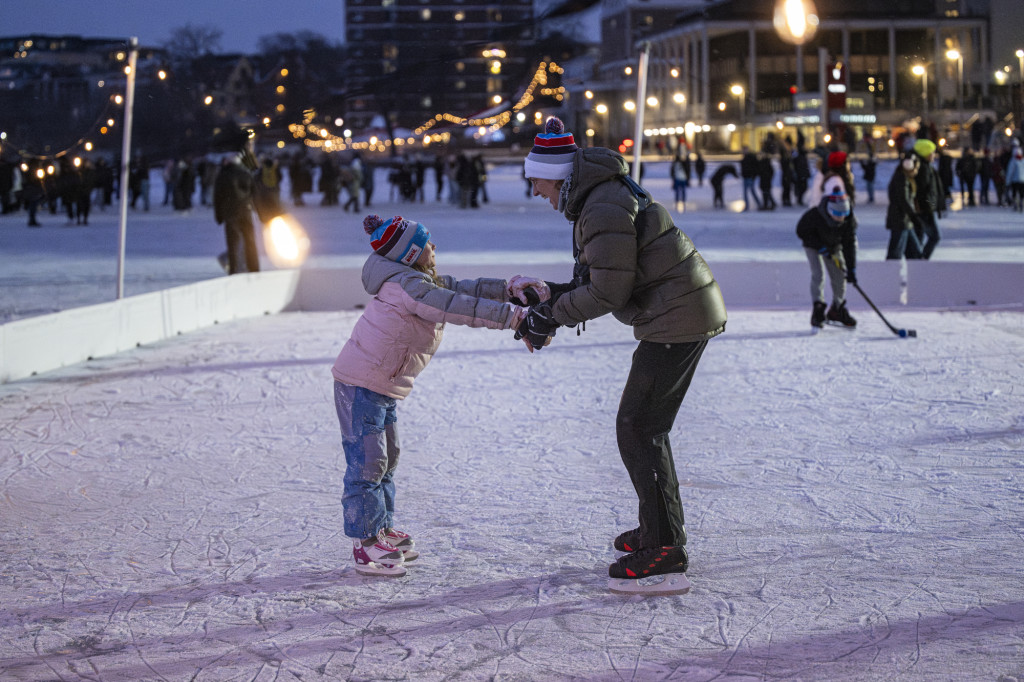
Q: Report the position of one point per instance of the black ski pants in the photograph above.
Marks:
(658, 381)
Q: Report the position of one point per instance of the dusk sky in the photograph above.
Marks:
(152, 21)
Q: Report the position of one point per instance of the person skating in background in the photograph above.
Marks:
(869, 170)
(700, 166)
(631, 261)
(786, 174)
(233, 191)
(945, 175)
(901, 216)
(801, 169)
(680, 179)
(928, 202)
(718, 179)
(1015, 178)
(829, 237)
(967, 171)
(766, 175)
(749, 172)
(389, 346)
(985, 168)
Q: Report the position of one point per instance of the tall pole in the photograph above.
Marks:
(960, 95)
(823, 89)
(126, 154)
(641, 99)
(1020, 59)
(924, 91)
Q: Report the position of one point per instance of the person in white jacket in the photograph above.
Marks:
(390, 345)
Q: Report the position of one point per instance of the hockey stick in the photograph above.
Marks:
(902, 333)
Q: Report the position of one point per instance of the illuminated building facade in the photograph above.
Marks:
(410, 60)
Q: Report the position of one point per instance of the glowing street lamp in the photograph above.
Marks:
(737, 91)
(796, 21)
(921, 71)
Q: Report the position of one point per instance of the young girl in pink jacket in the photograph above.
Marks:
(390, 345)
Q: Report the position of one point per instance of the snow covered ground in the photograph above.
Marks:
(855, 501)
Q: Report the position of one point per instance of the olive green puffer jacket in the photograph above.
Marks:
(655, 281)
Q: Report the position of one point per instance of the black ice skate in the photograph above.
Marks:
(630, 540)
(839, 315)
(665, 565)
(818, 314)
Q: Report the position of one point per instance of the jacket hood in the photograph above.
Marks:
(378, 270)
(591, 167)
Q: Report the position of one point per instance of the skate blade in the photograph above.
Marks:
(378, 569)
(659, 585)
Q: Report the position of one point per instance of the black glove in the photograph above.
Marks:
(851, 275)
(538, 325)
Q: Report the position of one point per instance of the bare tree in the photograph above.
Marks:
(190, 41)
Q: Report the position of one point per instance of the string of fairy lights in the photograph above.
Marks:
(319, 137)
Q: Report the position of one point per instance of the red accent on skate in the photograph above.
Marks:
(628, 548)
(630, 573)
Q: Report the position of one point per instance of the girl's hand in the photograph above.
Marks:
(518, 284)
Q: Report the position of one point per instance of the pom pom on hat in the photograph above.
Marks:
(552, 153)
(836, 159)
(924, 148)
(396, 239)
(371, 223)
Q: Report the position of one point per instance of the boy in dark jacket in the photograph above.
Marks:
(829, 237)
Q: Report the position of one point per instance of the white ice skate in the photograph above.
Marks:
(403, 542)
(377, 556)
(657, 585)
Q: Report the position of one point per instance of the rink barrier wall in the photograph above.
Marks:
(41, 344)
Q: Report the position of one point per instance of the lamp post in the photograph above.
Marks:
(737, 91)
(602, 111)
(956, 55)
(922, 71)
(1020, 60)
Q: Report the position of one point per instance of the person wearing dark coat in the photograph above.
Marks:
(829, 237)
(945, 174)
(786, 170)
(633, 262)
(928, 202)
(901, 216)
(701, 166)
(233, 206)
(967, 169)
(33, 191)
(985, 168)
(869, 169)
(766, 174)
(749, 172)
(718, 178)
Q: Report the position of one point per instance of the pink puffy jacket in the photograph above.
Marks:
(402, 326)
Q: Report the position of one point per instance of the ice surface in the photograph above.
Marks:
(854, 501)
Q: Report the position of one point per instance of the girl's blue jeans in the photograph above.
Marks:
(369, 435)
